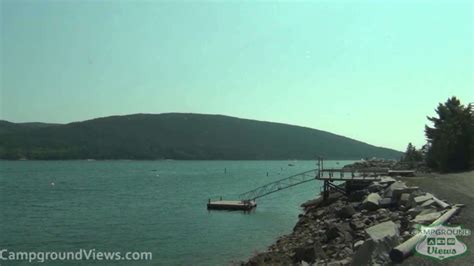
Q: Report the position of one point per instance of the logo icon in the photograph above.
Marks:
(441, 242)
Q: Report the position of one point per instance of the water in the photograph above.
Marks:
(152, 206)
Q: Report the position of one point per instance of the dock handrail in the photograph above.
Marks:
(281, 184)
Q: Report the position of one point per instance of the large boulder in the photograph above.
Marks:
(396, 189)
(383, 237)
(382, 231)
(371, 202)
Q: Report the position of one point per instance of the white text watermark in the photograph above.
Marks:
(78, 255)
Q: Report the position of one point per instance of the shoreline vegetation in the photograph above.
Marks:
(363, 226)
(358, 229)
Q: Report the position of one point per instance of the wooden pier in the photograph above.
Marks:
(352, 178)
(238, 205)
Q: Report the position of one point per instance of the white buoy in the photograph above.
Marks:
(52, 184)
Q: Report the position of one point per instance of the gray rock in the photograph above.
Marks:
(386, 203)
(396, 187)
(357, 195)
(374, 187)
(346, 212)
(414, 211)
(387, 180)
(404, 199)
(383, 230)
(426, 218)
(357, 224)
(318, 250)
(428, 203)
(358, 244)
(421, 199)
(305, 254)
(371, 203)
(383, 237)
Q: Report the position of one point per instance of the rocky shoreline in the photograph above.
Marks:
(355, 229)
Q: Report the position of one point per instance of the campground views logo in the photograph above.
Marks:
(441, 242)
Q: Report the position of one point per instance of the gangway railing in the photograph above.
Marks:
(281, 184)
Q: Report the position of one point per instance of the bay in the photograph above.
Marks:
(147, 206)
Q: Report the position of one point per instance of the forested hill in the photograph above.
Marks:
(177, 136)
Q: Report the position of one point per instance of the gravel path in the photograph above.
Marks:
(456, 188)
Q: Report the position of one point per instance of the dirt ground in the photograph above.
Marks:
(455, 188)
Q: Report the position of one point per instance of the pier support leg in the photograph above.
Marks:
(325, 190)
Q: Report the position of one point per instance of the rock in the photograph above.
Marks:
(270, 258)
(394, 216)
(428, 203)
(404, 199)
(311, 204)
(387, 180)
(343, 231)
(305, 254)
(421, 199)
(371, 203)
(332, 232)
(358, 244)
(426, 218)
(345, 262)
(319, 252)
(374, 187)
(346, 212)
(383, 230)
(398, 187)
(414, 211)
(357, 195)
(357, 224)
(383, 237)
(386, 203)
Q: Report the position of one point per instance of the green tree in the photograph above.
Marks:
(450, 140)
(412, 154)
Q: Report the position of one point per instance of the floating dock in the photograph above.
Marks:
(238, 205)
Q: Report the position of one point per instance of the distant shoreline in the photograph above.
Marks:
(186, 160)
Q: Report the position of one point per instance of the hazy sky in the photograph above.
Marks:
(369, 70)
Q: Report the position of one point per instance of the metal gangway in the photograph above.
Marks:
(328, 176)
(281, 184)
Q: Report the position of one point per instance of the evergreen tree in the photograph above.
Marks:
(451, 139)
(412, 154)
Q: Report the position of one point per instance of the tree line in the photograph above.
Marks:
(450, 139)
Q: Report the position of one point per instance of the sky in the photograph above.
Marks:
(368, 70)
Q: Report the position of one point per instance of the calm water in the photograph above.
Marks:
(156, 206)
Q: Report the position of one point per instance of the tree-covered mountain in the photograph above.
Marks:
(177, 136)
